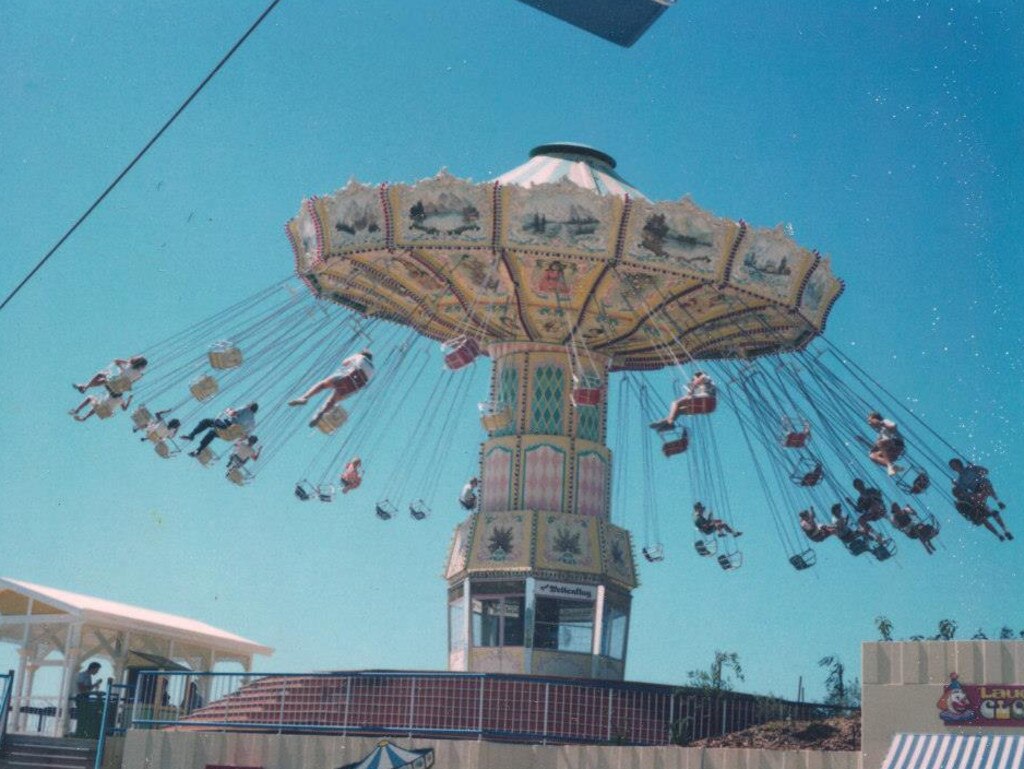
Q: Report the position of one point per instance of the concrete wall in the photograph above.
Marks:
(903, 681)
(194, 750)
(113, 752)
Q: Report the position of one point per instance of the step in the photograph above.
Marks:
(41, 762)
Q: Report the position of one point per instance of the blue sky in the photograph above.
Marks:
(886, 134)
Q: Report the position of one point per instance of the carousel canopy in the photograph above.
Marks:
(388, 756)
(561, 250)
(623, 22)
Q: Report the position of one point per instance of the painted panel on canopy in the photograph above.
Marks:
(628, 292)
(302, 232)
(478, 274)
(591, 495)
(544, 477)
(552, 280)
(458, 551)
(560, 217)
(819, 294)
(567, 542)
(617, 555)
(442, 211)
(496, 475)
(352, 218)
(502, 541)
(768, 263)
(679, 236)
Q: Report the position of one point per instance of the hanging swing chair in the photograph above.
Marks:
(808, 472)
(674, 445)
(141, 417)
(207, 457)
(204, 388)
(106, 407)
(385, 510)
(460, 352)
(803, 560)
(856, 543)
(696, 405)
(331, 420)
(325, 492)
(166, 448)
(884, 550)
(730, 561)
(305, 491)
(795, 439)
(239, 476)
(706, 545)
(587, 390)
(913, 480)
(224, 355)
(654, 553)
(117, 382)
(495, 415)
(419, 510)
(233, 432)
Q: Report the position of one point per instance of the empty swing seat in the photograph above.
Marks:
(418, 509)
(105, 408)
(460, 352)
(730, 561)
(654, 553)
(165, 449)
(705, 547)
(885, 550)
(698, 404)
(676, 446)
(587, 390)
(225, 355)
(207, 457)
(204, 388)
(304, 491)
(331, 420)
(385, 510)
(858, 545)
(325, 492)
(141, 417)
(794, 440)
(239, 476)
(495, 416)
(232, 432)
(804, 560)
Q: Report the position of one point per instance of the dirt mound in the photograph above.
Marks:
(829, 734)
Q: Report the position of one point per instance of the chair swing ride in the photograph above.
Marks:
(566, 278)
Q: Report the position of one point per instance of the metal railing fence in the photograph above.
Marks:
(466, 705)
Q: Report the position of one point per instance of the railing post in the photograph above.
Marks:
(480, 711)
(102, 742)
(547, 703)
(348, 702)
(725, 704)
(412, 705)
(608, 728)
(280, 710)
(671, 716)
(5, 702)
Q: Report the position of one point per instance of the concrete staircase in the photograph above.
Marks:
(22, 752)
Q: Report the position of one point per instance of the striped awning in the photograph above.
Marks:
(955, 751)
(583, 166)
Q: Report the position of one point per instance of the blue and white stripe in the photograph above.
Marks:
(955, 751)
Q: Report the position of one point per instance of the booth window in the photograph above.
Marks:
(498, 614)
(456, 620)
(613, 636)
(563, 625)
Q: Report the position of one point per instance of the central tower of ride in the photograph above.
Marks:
(561, 273)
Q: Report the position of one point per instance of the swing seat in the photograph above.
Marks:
(231, 433)
(676, 446)
(654, 553)
(803, 469)
(207, 457)
(350, 482)
(706, 547)
(694, 405)
(239, 476)
(105, 408)
(804, 560)
(304, 490)
(204, 388)
(224, 355)
(858, 544)
(795, 440)
(166, 449)
(495, 416)
(468, 504)
(332, 420)
(730, 561)
(913, 481)
(351, 382)
(385, 510)
(587, 390)
(460, 352)
(325, 492)
(885, 550)
(419, 509)
(141, 417)
(117, 382)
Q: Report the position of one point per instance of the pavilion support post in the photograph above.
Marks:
(71, 652)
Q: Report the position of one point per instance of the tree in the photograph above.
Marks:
(717, 676)
(1005, 633)
(947, 629)
(979, 636)
(839, 690)
(884, 625)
